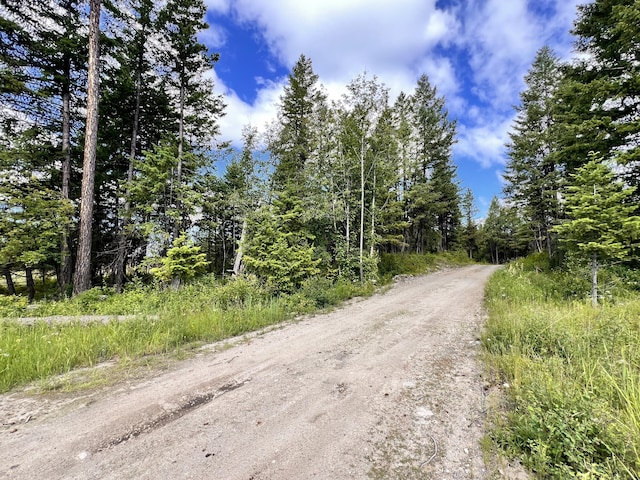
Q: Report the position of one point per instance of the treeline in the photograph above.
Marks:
(327, 189)
(573, 160)
(157, 122)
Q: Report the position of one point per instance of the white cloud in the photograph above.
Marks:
(218, 6)
(239, 113)
(484, 143)
(475, 51)
(214, 37)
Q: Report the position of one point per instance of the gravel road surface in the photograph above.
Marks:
(387, 387)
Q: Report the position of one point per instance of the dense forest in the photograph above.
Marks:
(109, 137)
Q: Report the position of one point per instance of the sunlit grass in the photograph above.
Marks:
(570, 373)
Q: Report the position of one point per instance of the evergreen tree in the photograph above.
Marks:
(469, 234)
(504, 232)
(136, 114)
(601, 223)
(43, 61)
(33, 214)
(293, 141)
(598, 98)
(277, 249)
(531, 174)
(433, 200)
(227, 202)
(181, 264)
(196, 106)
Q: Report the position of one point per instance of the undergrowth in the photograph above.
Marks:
(416, 264)
(570, 375)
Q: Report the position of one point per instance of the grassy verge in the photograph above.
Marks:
(202, 312)
(417, 264)
(570, 375)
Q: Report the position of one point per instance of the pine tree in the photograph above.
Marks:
(469, 234)
(601, 223)
(196, 106)
(33, 214)
(433, 200)
(598, 98)
(43, 61)
(503, 232)
(531, 174)
(294, 141)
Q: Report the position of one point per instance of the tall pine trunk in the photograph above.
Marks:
(120, 267)
(178, 223)
(82, 277)
(66, 267)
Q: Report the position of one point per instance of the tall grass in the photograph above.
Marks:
(570, 373)
(205, 311)
(417, 264)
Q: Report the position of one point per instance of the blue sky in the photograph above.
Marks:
(475, 51)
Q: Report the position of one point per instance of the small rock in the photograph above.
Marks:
(424, 412)
(83, 455)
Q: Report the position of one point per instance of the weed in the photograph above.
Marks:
(572, 405)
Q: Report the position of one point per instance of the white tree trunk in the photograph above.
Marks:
(237, 264)
(594, 280)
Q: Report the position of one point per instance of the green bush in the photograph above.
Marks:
(12, 305)
(392, 264)
(239, 292)
(537, 262)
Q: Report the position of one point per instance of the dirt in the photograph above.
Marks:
(387, 387)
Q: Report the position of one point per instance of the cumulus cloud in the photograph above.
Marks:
(475, 51)
(484, 143)
(239, 113)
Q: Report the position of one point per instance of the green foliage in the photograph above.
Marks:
(532, 178)
(392, 264)
(183, 261)
(569, 376)
(323, 292)
(504, 233)
(12, 305)
(536, 262)
(32, 220)
(240, 292)
(601, 220)
(293, 143)
(278, 249)
(597, 102)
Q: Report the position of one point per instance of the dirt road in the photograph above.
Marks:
(387, 387)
